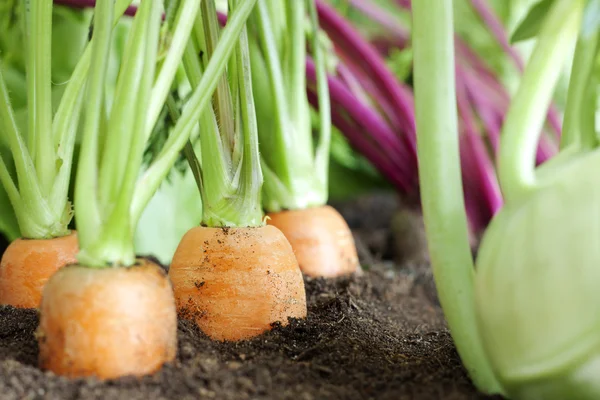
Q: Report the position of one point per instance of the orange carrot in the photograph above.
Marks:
(236, 282)
(107, 322)
(27, 264)
(321, 239)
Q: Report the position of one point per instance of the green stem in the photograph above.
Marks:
(200, 98)
(581, 74)
(295, 68)
(251, 175)
(323, 146)
(184, 22)
(441, 185)
(35, 218)
(30, 59)
(87, 208)
(117, 240)
(41, 31)
(527, 112)
(282, 140)
(222, 103)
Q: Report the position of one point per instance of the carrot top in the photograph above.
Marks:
(43, 154)
(228, 172)
(110, 194)
(296, 173)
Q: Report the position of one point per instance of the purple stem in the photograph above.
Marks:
(382, 17)
(484, 174)
(377, 127)
(359, 50)
(489, 17)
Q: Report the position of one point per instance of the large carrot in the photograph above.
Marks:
(113, 314)
(296, 175)
(232, 275)
(242, 281)
(28, 263)
(37, 181)
(107, 322)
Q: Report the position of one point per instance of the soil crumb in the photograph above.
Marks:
(375, 336)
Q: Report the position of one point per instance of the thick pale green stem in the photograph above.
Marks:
(441, 184)
(282, 140)
(251, 174)
(583, 66)
(184, 22)
(87, 208)
(222, 102)
(41, 40)
(323, 146)
(527, 113)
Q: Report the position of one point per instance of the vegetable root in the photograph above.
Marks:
(236, 282)
(27, 264)
(107, 322)
(321, 239)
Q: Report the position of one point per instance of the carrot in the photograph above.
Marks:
(321, 239)
(107, 322)
(234, 275)
(27, 264)
(236, 282)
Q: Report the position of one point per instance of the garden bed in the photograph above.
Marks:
(377, 336)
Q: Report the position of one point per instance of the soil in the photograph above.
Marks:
(377, 336)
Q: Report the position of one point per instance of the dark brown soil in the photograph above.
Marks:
(377, 336)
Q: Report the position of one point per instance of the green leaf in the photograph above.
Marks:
(531, 24)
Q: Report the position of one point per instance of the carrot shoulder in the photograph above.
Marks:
(321, 239)
(236, 282)
(27, 264)
(107, 322)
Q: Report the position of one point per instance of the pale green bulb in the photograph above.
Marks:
(538, 286)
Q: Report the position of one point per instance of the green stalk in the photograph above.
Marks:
(41, 113)
(35, 218)
(282, 142)
(441, 184)
(324, 144)
(30, 59)
(117, 238)
(222, 102)
(184, 22)
(527, 113)
(573, 133)
(89, 220)
(251, 175)
(200, 98)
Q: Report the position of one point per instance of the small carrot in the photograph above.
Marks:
(239, 283)
(234, 276)
(321, 239)
(27, 264)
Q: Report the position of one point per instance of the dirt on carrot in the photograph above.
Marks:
(321, 239)
(27, 264)
(377, 336)
(235, 282)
